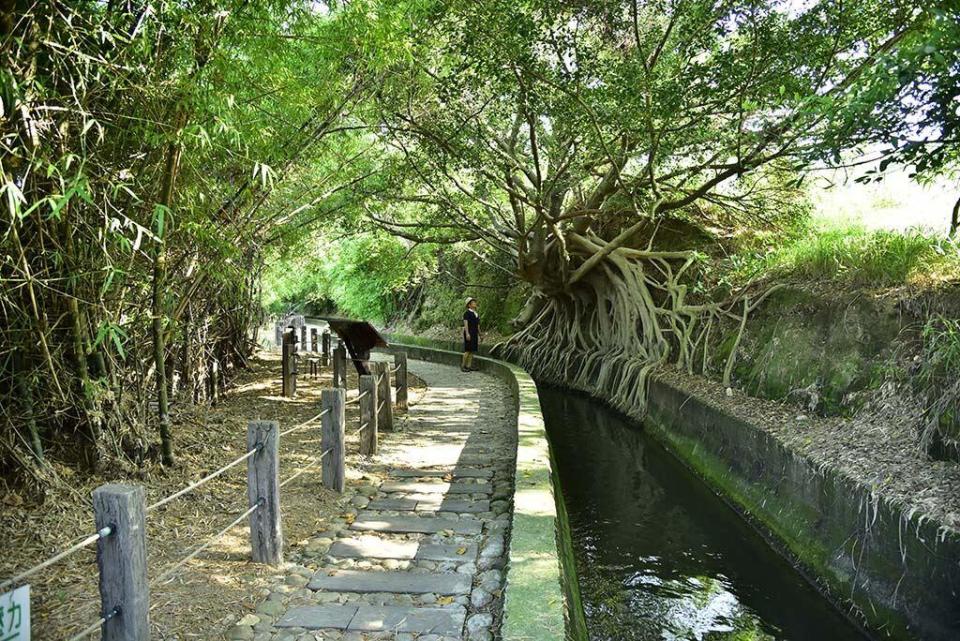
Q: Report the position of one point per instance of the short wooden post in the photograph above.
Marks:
(331, 438)
(384, 397)
(303, 337)
(289, 363)
(325, 356)
(279, 334)
(368, 415)
(263, 487)
(401, 360)
(122, 559)
(340, 366)
(313, 340)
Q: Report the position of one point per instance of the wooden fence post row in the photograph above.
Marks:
(122, 556)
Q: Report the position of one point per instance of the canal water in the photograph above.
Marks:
(658, 555)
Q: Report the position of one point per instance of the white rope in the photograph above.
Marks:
(305, 468)
(89, 630)
(380, 406)
(357, 399)
(205, 479)
(304, 424)
(362, 427)
(179, 564)
(93, 538)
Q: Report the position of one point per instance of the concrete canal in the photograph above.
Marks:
(660, 556)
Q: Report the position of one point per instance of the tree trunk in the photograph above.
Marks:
(955, 218)
(24, 387)
(78, 336)
(161, 223)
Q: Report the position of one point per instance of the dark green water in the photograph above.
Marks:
(659, 556)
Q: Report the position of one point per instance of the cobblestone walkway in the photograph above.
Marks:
(419, 551)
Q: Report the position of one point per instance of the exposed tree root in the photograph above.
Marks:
(616, 326)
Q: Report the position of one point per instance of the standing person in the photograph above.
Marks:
(471, 335)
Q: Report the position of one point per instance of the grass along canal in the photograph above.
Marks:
(658, 555)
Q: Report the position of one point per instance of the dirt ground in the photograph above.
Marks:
(221, 581)
(877, 448)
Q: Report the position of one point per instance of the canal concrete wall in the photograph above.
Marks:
(542, 594)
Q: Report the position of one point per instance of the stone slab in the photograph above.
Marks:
(395, 582)
(421, 621)
(454, 505)
(430, 503)
(315, 617)
(426, 487)
(372, 547)
(413, 524)
(398, 505)
(457, 473)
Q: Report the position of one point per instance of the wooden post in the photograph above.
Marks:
(384, 397)
(401, 360)
(122, 559)
(331, 438)
(289, 363)
(340, 366)
(303, 337)
(368, 415)
(263, 486)
(313, 340)
(325, 356)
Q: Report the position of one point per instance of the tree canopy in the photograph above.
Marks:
(157, 157)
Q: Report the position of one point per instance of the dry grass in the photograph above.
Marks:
(220, 581)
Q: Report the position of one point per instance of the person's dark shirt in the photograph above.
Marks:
(473, 322)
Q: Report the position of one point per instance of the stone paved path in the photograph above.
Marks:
(420, 551)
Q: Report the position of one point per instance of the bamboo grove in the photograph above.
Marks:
(157, 157)
(140, 143)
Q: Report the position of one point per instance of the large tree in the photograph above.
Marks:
(570, 135)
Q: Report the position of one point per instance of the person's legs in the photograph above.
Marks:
(465, 361)
(469, 360)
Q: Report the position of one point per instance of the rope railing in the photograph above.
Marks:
(266, 542)
(76, 547)
(307, 467)
(357, 399)
(207, 478)
(172, 570)
(93, 627)
(306, 423)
